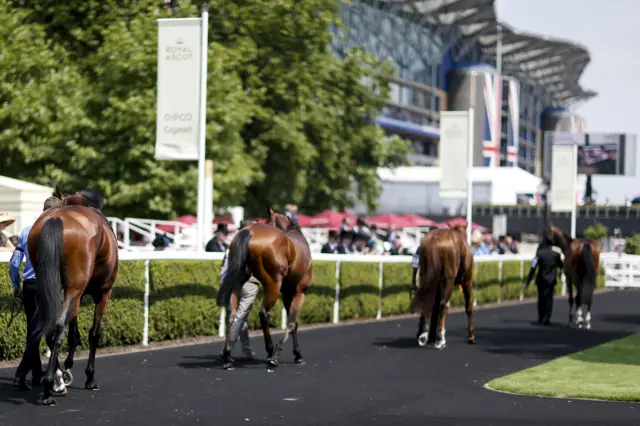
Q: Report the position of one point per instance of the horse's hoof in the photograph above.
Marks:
(48, 401)
(471, 341)
(228, 366)
(440, 345)
(300, 361)
(422, 339)
(67, 377)
(59, 392)
(91, 385)
(272, 362)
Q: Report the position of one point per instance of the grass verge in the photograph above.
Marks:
(610, 371)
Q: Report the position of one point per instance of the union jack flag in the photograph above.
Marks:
(513, 133)
(492, 119)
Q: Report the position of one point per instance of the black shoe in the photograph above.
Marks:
(21, 383)
(547, 323)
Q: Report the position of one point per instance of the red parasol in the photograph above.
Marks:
(331, 219)
(420, 221)
(388, 219)
(463, 222)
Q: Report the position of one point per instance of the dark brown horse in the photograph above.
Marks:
(581, 268)
(445, 260)
(278, 255)
(74, 252)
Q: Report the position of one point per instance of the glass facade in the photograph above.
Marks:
(423, 58)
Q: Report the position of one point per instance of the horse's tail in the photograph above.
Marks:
(588, 264)
(237, 266)
(49, 278)
(432, 275)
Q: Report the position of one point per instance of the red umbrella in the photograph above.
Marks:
(388, 219)
(188, 220)
(226, 219)
(304, 221)
(331, 219)
(463, 222)
(419, 221)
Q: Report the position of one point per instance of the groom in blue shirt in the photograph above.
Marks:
(28, 293)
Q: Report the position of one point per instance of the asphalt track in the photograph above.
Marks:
(359, 374)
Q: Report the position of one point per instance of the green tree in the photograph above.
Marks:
(42, 104)
(287, 121)
(314, 116)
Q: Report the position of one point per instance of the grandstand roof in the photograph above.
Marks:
(552, 63)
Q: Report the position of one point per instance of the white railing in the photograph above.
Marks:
(622, 271)
(608, 259)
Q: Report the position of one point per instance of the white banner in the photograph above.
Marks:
(564, 170)
(178, 89)
(454, 154)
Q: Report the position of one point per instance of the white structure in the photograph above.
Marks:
(23, 200)
(417, 189)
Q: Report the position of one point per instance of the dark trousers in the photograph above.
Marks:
(31, 357)
(545, 301)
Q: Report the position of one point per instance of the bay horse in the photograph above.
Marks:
(581, 269)
(446, 260)
(279, 256)
(74, 252)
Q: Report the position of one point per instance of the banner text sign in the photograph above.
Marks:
(177, 119)
(454, 154)
(563, 177)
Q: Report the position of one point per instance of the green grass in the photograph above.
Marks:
(610, 371)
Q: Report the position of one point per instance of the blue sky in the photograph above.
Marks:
(611, 32)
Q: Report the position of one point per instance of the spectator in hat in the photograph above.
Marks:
(332, 245)
(362, 242)
(161, 242)
(219, 241)
(345, 244)
(5, 221)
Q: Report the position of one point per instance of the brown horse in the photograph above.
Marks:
(445, 260)
(278, 255)
(581, 269)
(73, 249)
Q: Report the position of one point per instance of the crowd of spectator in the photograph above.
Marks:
(483, 245)
(364, 239)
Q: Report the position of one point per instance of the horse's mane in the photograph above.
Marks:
(94, 197)
(293, 226)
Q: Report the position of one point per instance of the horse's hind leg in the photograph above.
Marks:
(427, 308)
(443, 309)
(569, 284)
(293, 309)
(423, 330)
(69, 311)
(271, 293)
(73, 341)
(468, 309)
(101, 302)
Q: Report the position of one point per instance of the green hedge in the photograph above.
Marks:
(182, 299)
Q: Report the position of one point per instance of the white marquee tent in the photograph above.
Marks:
(23, 200)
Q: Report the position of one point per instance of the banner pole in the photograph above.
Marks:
(469, 178)
(202, 129)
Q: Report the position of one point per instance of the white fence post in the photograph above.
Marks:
(283, 321)
(336, 302)
(223, 322)
(500, 278)
(147, 279)
(380, 283)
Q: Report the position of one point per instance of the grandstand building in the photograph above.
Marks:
(453, 54)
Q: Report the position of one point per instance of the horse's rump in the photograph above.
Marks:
(441, 259)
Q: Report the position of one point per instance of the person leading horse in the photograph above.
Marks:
(581, 268)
